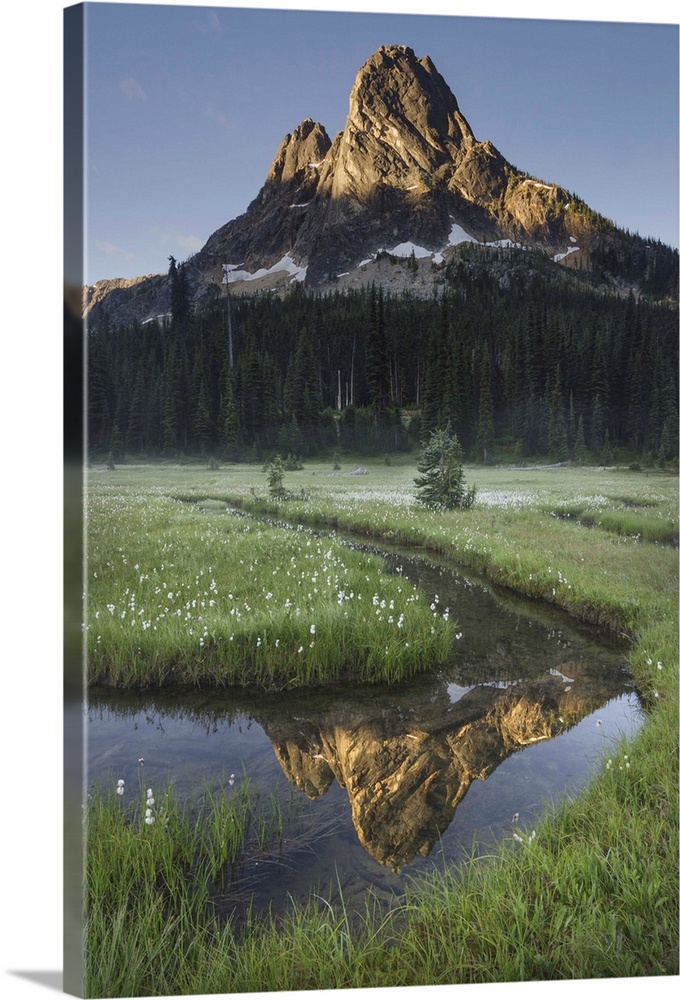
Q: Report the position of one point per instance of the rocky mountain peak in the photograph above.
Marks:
(405, 176)
(303, 149)
(388, 177)
(403, 126)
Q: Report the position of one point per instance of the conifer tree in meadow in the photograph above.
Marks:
(441, 483)
(275, 479)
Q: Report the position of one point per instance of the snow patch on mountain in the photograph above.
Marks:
(297, 273)
(560, 256)
(407, 249)
(458, 235)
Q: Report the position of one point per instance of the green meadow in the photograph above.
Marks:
(187, 593)
(182, 590)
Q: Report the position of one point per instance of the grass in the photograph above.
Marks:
(594, 894)
(152, 870)
(187, 594)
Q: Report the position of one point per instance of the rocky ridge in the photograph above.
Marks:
(406, 173)
(406, 177)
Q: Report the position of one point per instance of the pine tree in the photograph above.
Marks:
(597, 426)
(485, 431)
(441, 483)
(557, 431)
(170, 402)
(99, 394)
(136, 428)
(180, 307)
(275, 479)
(664, 452)
(249, 391)
(229, 438)
(438, 407)
(302, 394)
(291, 439)
(378, 375)
(580, 443)
(571, 426)
(116, 449)
(202, 421)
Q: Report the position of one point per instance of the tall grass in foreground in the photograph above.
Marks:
(590, 894)
(180, 595)
(152, 868)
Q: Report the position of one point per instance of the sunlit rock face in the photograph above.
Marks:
(404, 128)
(405, 166)
(407, 767)
(300, 155)
(406, 171)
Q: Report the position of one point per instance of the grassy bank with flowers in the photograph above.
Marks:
(185, 593)
(593, 893)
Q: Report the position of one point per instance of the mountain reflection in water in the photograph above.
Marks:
(406, 763)
(385, 770)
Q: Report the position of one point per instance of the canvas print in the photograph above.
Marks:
(375, 678)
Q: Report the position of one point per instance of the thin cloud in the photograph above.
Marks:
(190, 243)
(214, 23)
(112, 258)
(209, 24)
(217, 116)
(132, 89)
(111, 249)
(173, 239)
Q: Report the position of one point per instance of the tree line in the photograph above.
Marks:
(516, 369)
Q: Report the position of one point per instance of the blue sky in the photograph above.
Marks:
(186, 106)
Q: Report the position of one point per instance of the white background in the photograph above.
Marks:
(30, 494)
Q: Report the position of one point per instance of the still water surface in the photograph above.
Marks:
(378, 784)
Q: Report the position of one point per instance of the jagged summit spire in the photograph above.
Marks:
(306, 145)
(403, 125)
(406, 170)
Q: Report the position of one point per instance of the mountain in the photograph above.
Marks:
(406, 170)
(406, 178)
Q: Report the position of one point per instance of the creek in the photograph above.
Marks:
(378, 784)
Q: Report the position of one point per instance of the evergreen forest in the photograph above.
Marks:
(517, 369)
